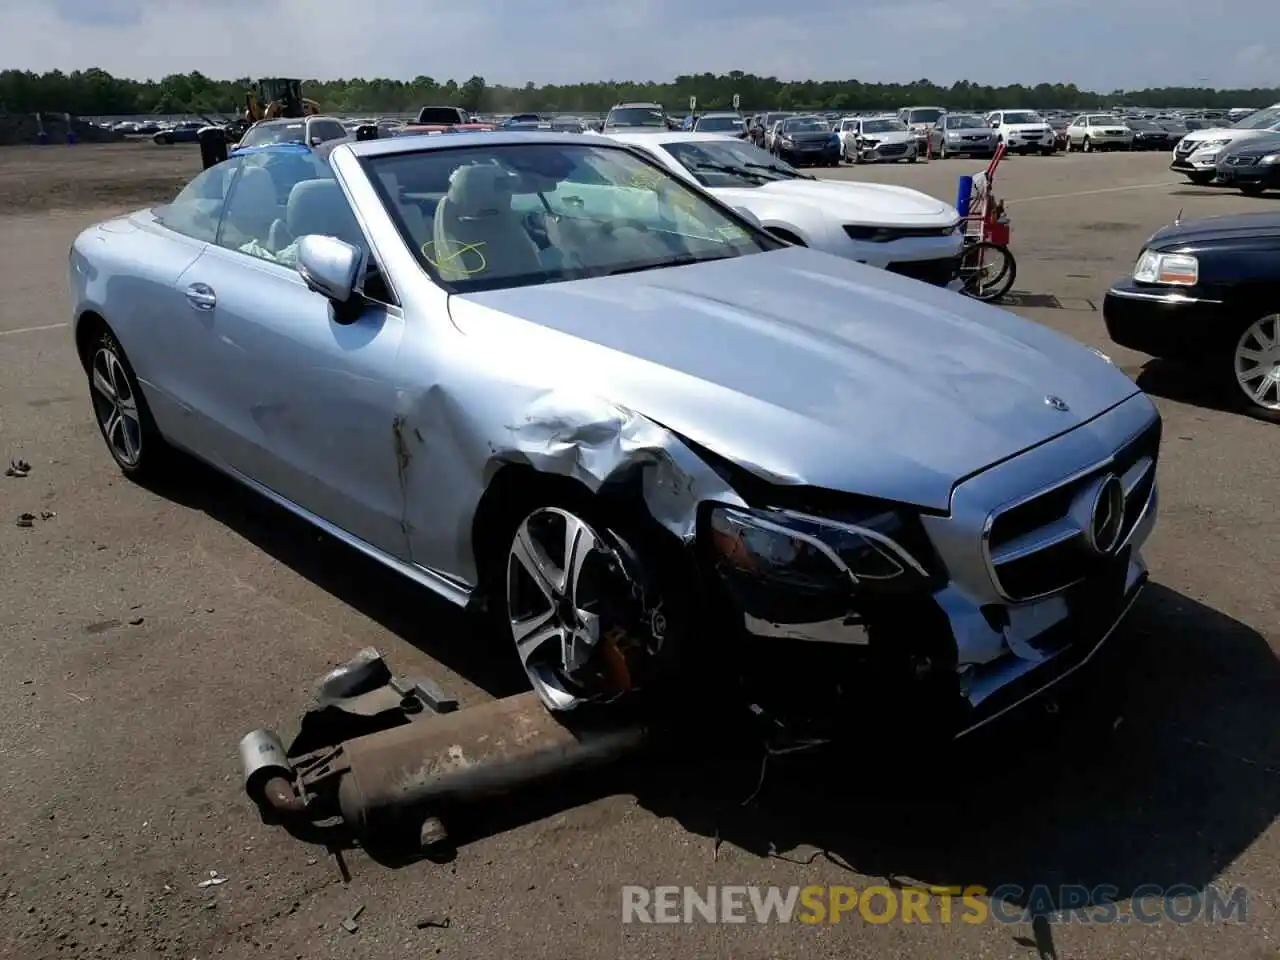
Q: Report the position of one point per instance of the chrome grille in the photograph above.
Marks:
(1037, 545)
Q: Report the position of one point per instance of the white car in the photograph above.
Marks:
(1196, 154)
(1022, 131)
(874, 139)
(894, 228)
(1098, 131)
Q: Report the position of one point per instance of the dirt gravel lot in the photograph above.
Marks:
(143, 632)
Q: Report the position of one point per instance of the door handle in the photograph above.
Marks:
(200, 296)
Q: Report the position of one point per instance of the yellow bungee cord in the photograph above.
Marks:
(454, 261)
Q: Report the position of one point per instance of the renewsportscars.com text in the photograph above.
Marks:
(932, 905)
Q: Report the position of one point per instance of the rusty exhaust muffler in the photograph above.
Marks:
(394, 777)
(423, 756)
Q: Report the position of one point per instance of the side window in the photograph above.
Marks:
(198, 209)
(280, 197)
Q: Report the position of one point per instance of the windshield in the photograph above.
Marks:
(274, 133)
(636, 117)
(1022, 116)
(1262, 120)
(1105, 120)
(724, 163)
(511, 215)
(882, 126)
(720, 124)
(924, 115)
(804, 125)
(964, 122)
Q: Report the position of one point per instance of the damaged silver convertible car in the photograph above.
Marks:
(664, 447)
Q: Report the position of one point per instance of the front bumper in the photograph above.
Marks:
(980, 147)
(1201, 161)
(1026, 141)
(933, 259)
(1266, 175)
(888, 152)
(1172, 323)
(955, 660)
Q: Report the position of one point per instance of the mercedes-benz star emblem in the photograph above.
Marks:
(1106, 517)
(1057, 403)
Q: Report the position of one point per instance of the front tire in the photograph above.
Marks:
(1200, 179)
(585, 606)
(1087, 146)
(121, 411)
(1252, 189)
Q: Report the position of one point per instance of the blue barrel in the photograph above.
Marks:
(42, 138)
(964, 193)
(71, 136)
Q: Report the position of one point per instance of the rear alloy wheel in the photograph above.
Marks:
(586, 623)
(1257, 365)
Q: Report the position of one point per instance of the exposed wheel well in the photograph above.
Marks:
(510, 494)
(89, 327)
(787, 235)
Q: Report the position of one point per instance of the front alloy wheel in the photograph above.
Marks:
(1257, 364)
(584, 626)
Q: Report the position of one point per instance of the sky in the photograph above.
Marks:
(1097, 44)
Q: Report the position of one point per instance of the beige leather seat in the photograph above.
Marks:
(476, 233)
(251, 210)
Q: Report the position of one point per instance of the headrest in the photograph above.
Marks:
(254, 194)
(318, 206)
(481, 189)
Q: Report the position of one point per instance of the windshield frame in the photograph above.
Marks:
(897, 126)
(763, 240)
(735, 123)
(911, 112)
(272, 126)
(746, 181)
(818, 125)
(655, 113)
(1263, 119)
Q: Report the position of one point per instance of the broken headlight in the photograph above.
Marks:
(820, 564)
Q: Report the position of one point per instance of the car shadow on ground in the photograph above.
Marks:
(1192, 385)
(457, 640)
(1170, 796)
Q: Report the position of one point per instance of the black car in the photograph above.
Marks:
(1208, 292)
(807, 140)
(1149, 135)
(1252, 165)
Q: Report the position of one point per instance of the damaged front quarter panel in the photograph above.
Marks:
(449, 447)
(598, 443)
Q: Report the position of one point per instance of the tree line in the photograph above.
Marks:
(95, 92)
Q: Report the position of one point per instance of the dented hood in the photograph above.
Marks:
(806, 368)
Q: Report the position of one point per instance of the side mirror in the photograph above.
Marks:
(749, 216)
(329, 266)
